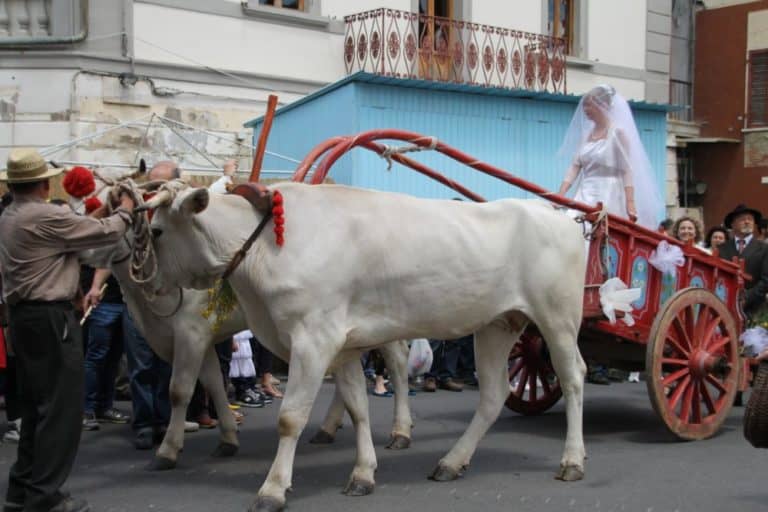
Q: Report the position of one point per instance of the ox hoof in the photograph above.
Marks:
(225, 450)
(399, 442)
(322, 437)
(266, 504)
(359, 488)
(570, 473)
(159, 463)
(444, 474)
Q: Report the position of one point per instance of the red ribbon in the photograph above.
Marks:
(278, 214)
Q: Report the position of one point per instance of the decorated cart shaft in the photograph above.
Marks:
(686, 328)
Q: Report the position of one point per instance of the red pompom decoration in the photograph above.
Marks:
(91, 204)
(79, 182)
(278, 215)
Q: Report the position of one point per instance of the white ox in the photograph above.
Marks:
(362, 268)
(177, 332)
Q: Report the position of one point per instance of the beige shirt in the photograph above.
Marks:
(39, 243)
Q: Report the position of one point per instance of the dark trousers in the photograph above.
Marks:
(48, 343)
(104, 347)
(262, 358)
(11, 389)
(446, 354)
(150, 379)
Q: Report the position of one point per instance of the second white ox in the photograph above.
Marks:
(361, 268)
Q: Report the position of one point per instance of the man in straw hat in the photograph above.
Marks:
(743, 221)
(40, 271)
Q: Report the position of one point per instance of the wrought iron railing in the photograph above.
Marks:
(409, 45)
(681, 96)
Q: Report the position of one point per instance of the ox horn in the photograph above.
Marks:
(151, 185)
(161, 198)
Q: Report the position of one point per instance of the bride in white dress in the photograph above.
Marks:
(609, 163)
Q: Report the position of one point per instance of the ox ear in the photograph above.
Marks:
(193, 202)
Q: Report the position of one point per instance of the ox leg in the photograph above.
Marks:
(332, 422)
(308, 363)
(396, 358)
(210, 377)
(492, 346)
(350, 382)
(185, 367)
(570, 369)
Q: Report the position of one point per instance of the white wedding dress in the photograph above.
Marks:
(604, 172)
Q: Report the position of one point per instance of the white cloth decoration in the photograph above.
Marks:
(615, 296)
(242, 359)
(666, 257)
(755, 341)
(419, 357)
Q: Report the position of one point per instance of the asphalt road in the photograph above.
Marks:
(633, 465)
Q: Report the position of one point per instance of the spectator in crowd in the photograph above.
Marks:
(687, 229)
(104, 347)
(10, 390)
(242, 372)
(262, 359)
(445, 360)
(38, 261)
(743, 221)
(716, 236)
(665, 226)
(375, 369)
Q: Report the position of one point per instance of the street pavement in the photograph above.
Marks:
(633, 464)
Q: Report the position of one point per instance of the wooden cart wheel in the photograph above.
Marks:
(534, 385)
(692, 362)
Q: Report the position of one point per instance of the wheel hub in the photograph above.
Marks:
(702, 363)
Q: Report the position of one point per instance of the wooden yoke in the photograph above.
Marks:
(261, 147)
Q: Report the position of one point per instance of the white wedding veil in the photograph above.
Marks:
(616, 109)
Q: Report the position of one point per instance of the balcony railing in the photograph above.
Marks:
(681, 95)
(403, 44)
(42, 22)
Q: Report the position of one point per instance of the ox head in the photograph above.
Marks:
(196, 234)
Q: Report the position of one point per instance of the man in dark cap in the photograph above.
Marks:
(40, 270)
(743, 222)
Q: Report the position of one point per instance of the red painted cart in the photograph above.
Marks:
(686, 330)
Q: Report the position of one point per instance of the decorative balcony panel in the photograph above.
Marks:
(31, 22)
(402, 44)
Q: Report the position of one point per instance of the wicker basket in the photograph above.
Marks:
(756, 412)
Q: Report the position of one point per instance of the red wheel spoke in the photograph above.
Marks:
(719, 385)
(690, 325)
(545, 382)
(532, 386)
(696, 402)
(521, 382)
(685, 406)
(682, 335)
(708, 332)
(672, 377)
(707, 398)
(673, 361)
(677, 346)
(702, 323)
(678, 392)
(718, 343)
(516, 367)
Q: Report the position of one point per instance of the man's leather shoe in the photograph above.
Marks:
(71, 505)
(430, 385)
(451, 385)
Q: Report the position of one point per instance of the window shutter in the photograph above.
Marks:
(758, 88)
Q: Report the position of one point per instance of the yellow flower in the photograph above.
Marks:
(221, 302)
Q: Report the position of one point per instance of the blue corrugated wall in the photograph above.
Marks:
(520, 135)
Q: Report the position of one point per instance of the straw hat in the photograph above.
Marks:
(25, 166)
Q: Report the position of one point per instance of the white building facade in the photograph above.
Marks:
(72, 68)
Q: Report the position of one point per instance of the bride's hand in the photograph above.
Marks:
(631, 211)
